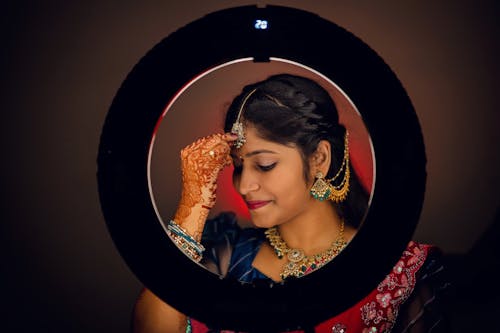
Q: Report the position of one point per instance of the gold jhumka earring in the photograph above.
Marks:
(324, 189)
(237, 127)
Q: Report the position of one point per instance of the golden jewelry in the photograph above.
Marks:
(321, 189)
(237, 127)
(324, 189)
(298, 263)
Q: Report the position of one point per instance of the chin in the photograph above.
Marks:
(259, 222)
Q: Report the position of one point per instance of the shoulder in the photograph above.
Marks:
(223, 225)
(422, 263)
(415, 265)
(407, 294)
(414, 257)
(423, 309)
(230, 249)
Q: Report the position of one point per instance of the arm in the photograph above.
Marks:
(152, 315)
(201, 164)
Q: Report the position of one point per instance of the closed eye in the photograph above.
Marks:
(266, 168)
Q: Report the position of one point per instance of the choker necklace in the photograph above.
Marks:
(298, 263)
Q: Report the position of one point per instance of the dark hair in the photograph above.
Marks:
(296, 111)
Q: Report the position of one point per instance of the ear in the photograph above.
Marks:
(320, 159)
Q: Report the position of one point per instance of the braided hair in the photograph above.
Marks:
(298, 112)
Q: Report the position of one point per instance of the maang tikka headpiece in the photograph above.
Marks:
(237, 128)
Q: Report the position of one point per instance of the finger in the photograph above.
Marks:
(230, 137)
(208, 141)
(220, 144)
(220, 152)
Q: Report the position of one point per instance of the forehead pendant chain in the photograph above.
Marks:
(237, 128)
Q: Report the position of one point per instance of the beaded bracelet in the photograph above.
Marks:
(185, 242)
(176, 229)
(185, 247)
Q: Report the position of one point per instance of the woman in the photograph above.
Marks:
(291, 166)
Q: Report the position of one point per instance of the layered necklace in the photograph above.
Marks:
(298, 263)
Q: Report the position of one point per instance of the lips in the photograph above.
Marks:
(254, 204)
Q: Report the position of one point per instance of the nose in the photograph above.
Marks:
(246, 182)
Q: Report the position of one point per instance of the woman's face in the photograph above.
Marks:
(270, 178)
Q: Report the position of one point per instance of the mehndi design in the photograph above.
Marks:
(201, 164)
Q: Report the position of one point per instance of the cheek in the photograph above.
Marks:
(293, 189)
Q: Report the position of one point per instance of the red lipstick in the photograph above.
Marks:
(256, 204)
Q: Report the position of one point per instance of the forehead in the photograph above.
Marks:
(254, 142)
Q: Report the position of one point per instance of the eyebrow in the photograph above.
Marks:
(261, 151)
(256, 152)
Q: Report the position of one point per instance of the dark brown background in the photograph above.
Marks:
(61, 65)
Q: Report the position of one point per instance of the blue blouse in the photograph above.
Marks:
(230, 251)
(223, 237)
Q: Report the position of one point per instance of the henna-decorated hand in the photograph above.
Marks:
(201, 163)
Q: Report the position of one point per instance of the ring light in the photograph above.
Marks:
(262, 34)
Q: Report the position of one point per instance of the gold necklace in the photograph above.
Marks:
(298, 263)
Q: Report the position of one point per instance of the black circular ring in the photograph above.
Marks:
(219, 38)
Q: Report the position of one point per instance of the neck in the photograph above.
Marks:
(314, 231)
